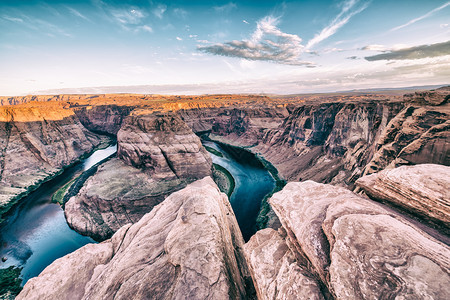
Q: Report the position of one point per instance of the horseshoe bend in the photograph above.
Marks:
(356, 204)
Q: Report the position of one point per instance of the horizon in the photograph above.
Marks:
(222, 47)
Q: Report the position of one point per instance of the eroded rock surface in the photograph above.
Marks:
(421, 189)
(157, 155)
(353, 247)
(36, 144)
(275, 270)
(188, 247)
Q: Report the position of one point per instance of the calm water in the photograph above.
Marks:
(35, 232)
(253, 182)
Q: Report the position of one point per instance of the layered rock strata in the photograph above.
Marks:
(188, 247)
(356, 248)
(157, 155)
(421, 189)
(36, 144)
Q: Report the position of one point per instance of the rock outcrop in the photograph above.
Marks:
(188, 247)
(421, 189)
(157, 155)
(354, 247)
(36, 143)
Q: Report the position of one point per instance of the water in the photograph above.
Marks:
(253, 183)
(35, 232)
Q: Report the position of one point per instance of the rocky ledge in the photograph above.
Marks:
(157, 155)
(340, 245)
(188, 247)
(421, 189)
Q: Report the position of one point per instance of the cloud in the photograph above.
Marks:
(375, 47)
(268, 43)
(428, 14)
(76, 13)
(225, 8)
(353, 57)
(244, 21)
(443, 25)
(349, 9)
(131, 16)
(181, 13)
(422, 51)
(159, 11)
(12, 19)
(146, 28)
(178, 38)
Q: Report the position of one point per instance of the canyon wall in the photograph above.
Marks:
(36, 143)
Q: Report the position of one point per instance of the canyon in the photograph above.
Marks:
(364, 213)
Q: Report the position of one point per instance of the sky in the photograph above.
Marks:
(197, 47)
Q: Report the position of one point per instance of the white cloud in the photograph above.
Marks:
(267, 43)
(76, 13)
(181, 13)
(225, 8)
(375, 47)
(428, 14)
(244, 21)
(13, 19)
(443, 25)
(349, 9)
(146, 28)
(128, 16)
(178, 38)
(159, 11)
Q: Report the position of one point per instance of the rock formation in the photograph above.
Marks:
(36, 143)
(421, 189)
(157, 155)
(188, 247)
(354, 247)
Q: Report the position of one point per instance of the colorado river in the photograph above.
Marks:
(35, 232)
(252, 183)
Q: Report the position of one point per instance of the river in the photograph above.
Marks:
(35, 232)
(252, 183)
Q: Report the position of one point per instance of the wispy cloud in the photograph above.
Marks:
(225, 8)
(12, 19)
(244, 21)
(268, 43)
(349, 9)
(159, 11)
(181, 13)
(132, 16)
(428, 14)
(76, 13)
(375, 47)
(422, 51)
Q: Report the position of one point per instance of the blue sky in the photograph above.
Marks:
(222, 46)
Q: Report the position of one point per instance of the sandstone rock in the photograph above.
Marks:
(164, 147)
(275, 271)
(360, 249)
(421, 189)
(36, 143)
(436, 97)
(157, 155)
(188, 247)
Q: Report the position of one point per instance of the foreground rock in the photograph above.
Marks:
(353, 247)
(421, 189)
(36, 143)
(275, 271)
(157, 155)
(188, 247)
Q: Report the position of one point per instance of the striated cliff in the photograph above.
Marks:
(157, 155)
(36, 143)
(188, 247)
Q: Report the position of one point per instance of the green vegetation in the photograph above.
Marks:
(223, 179)
(10, 282)
(213, 151)
(58, 196)
(261, 221)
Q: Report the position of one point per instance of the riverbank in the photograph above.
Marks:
(223, 179)
(13, 202)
